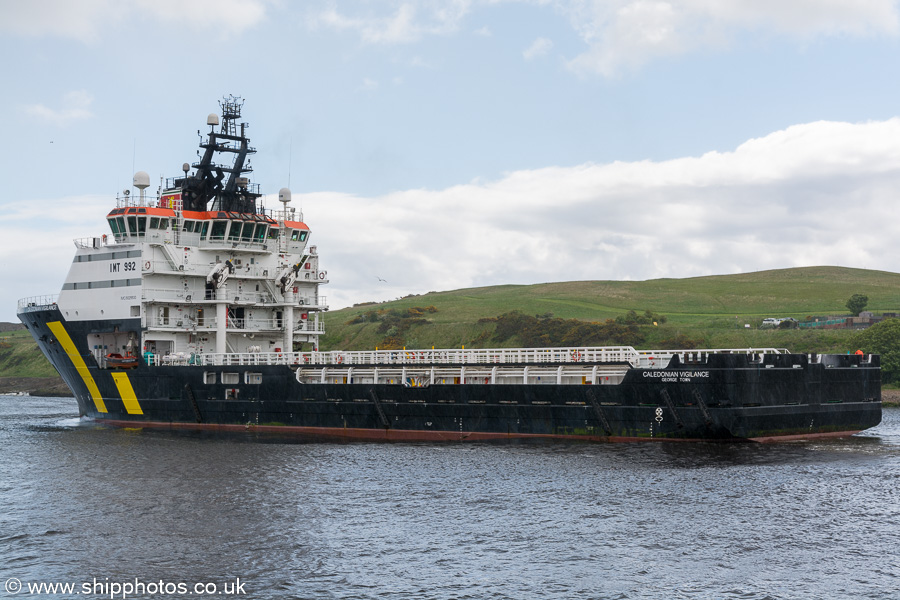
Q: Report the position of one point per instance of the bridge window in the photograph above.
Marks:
(114, 226)
(137, 226)
(204, 229)
(218, 230)
(189, 226)
(261, 232)
(234, 234)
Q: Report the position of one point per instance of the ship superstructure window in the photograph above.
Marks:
(234, 234)
(218, 230)
(273, 233)
(189, 226)
(253, 378)
(230, 378)
(114, 226)
(247, 234)
(159, 223)
(204, 229)
(261, 232)
(137, 226)
(298, 235)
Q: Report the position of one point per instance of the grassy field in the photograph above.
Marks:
(20, 356)
(712, 309)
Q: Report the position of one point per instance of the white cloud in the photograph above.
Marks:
(411, 21)
(625, 34)
(540, 47)
(368, 85)
(75, 107)
(484, 31)
(819, 193)
(88, 20)
(55, 224)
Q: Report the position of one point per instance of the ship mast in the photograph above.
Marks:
(206, 185)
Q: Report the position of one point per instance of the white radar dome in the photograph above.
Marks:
(141, 180)
(284, 195)
(212, 119)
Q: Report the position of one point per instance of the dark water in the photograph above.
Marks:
(302, 520)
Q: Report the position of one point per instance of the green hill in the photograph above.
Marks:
(710, 310)
(20, 356)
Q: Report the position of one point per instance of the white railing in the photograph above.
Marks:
(33, 303)
(232, 324)
(91, 242)
(199, 297)
(660, 358)
(621, 355)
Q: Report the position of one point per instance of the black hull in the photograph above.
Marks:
(728, 397)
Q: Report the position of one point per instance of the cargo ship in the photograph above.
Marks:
(201, 308)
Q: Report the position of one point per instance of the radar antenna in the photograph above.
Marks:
(208, 183)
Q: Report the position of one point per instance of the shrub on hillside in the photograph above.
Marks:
(884, 339)
(543, 332)
(680, 342)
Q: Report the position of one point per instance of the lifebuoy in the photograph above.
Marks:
(576, 355)
(147, 266)
(340, 358)
(321, 275)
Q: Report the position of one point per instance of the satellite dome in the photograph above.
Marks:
(284, 195)
(212, 119)
(141, 180)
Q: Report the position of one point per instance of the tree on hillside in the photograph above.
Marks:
(884, 339)
(857, 303)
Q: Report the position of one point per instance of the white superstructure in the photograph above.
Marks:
(202, 264)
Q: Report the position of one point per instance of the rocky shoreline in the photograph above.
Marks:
(890, 397)
(34, 386)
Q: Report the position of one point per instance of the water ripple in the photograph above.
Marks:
(420, 521)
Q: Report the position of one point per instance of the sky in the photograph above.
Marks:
(444, 145)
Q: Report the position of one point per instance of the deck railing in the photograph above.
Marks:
(36, 303)
(603, 355)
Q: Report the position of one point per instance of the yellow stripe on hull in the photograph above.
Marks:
(127, 392)
(72, 352)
